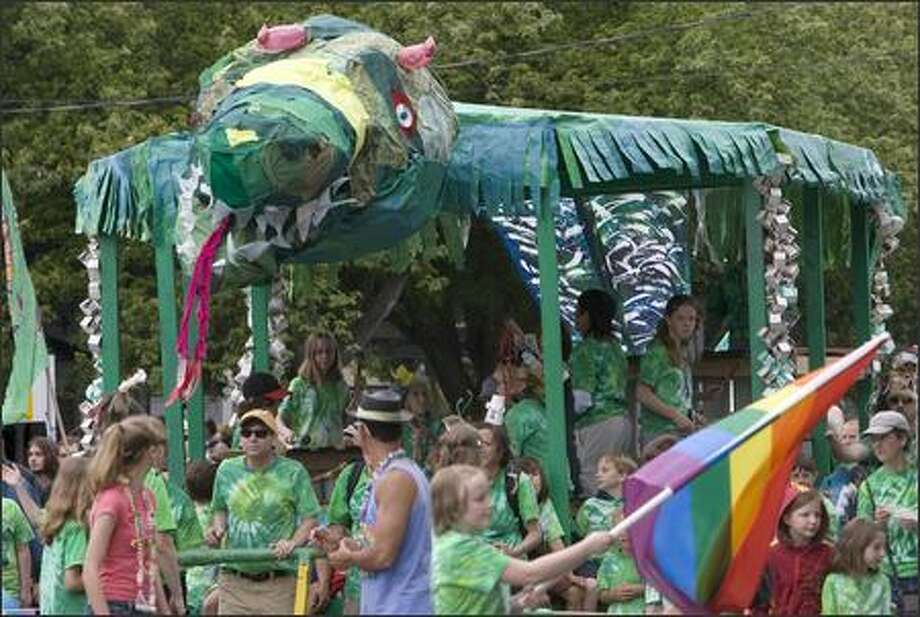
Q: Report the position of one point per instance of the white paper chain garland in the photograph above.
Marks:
(777, 365)
(279, 355)
(888, 226)
(91, 324)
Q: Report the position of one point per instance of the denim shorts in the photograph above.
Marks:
(120, 607)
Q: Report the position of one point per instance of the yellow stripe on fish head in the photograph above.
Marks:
(315, 75)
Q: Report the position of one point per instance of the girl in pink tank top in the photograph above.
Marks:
(120, 571)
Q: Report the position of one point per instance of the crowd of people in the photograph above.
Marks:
(443, 514)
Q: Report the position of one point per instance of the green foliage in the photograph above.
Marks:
(847, 71)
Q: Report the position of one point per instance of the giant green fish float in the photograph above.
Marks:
(310, 138)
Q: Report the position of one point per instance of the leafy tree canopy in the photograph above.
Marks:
(846, 71)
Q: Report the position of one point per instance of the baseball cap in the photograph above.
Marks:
(263, 385)
(262, 415)
(904, 357)
(884, 422)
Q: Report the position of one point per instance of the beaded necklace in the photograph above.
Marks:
(144, 542)
(378, 473)
(364, 538)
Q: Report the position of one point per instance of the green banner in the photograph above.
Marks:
(30, 357)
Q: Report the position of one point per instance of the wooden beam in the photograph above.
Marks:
(756, 303)
(259, 296)
(859, 266)
(111, 342)
(558, 472)
(813, 254)
(166, 309)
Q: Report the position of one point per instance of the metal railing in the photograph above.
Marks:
(303, 557)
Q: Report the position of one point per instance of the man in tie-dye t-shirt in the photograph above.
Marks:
(261, 501)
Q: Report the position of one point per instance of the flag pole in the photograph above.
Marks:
(59, 420)
(627, 522)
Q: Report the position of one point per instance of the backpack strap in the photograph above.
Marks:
(354, 476)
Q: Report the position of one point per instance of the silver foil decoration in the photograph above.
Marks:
(776, 366)
(888, 225)
(91, 324)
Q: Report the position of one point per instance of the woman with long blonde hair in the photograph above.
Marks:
(63, 530)
(317, 397)
(121, 576)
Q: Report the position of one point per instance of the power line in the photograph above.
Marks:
(74, 105)
(98, 104)
(619, 38)
(667, 76)
(754, 69)
(6, 108)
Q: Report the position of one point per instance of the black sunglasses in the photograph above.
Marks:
(258, 433)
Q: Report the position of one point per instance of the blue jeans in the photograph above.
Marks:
(904, 594)
(10, 602)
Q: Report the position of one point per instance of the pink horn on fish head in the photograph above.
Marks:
(417, 56)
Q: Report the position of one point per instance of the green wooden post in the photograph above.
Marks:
(259, 296)
(816, 335)
(166, 308)
(861, 296)
(108, 270)
(194, 410)
(552, 360)
(756, 302)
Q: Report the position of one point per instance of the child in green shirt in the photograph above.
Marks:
(597, 513)
(63, 530)
(16, 569)
(317, 397)
(344, 515)
(889, 496)
(856, 585)
(469, 576)
(619, 585)
(665, 387)
(201, 581)
(580, 593)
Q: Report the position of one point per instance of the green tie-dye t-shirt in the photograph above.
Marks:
(896, 491)
(189, 533)
(528, 431)
(466, 576)
(199, 579)
(16, 532)
(672, 384)
(847, 595)
(550, 525)
(599, 367)
(348, 515)
(67, 550)
(596, 514)
(314, 412)
(504, 527)
(162, 516)
(618, 568)
(263, 506)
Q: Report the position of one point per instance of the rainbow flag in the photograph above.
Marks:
(705, 546)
